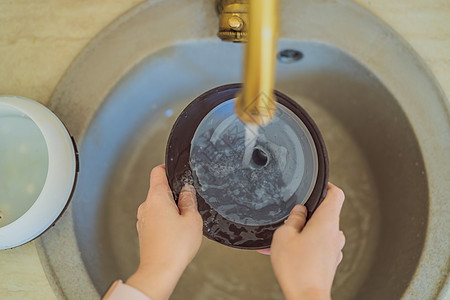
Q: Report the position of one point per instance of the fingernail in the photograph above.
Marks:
(299, 209)
(188, 188)
(188, 199)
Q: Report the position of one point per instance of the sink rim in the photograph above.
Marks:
(401, 57)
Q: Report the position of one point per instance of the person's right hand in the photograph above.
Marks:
(169, 236)
(305, 258)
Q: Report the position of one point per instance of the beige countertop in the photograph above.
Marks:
(39, 40)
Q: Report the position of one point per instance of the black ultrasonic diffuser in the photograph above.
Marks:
(247, 177)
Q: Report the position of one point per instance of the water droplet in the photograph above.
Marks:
(169, 113)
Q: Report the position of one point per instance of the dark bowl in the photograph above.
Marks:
(178, 170)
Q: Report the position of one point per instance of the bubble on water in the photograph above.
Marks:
(187, 178)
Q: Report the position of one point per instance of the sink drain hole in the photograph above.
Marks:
(289, 56)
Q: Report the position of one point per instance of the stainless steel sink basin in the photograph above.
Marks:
(384, 119)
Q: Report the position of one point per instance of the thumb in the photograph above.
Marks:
(297, 217)
(187, 202)
(329, 210)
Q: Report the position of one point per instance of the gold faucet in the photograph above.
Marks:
(254, 22)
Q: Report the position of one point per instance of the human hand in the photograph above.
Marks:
(169, 237)
(305, 258)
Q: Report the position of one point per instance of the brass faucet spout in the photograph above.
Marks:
(256, 103)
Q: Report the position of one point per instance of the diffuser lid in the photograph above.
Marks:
(38, 167)
(250, 174)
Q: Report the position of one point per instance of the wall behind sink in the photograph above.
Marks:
(39, 40)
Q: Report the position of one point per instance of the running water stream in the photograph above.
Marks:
(251, 135)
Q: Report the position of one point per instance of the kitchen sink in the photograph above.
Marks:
(383, 116)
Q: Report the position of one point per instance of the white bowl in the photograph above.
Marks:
(38, 168)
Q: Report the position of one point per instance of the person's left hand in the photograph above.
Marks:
(169, 237)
